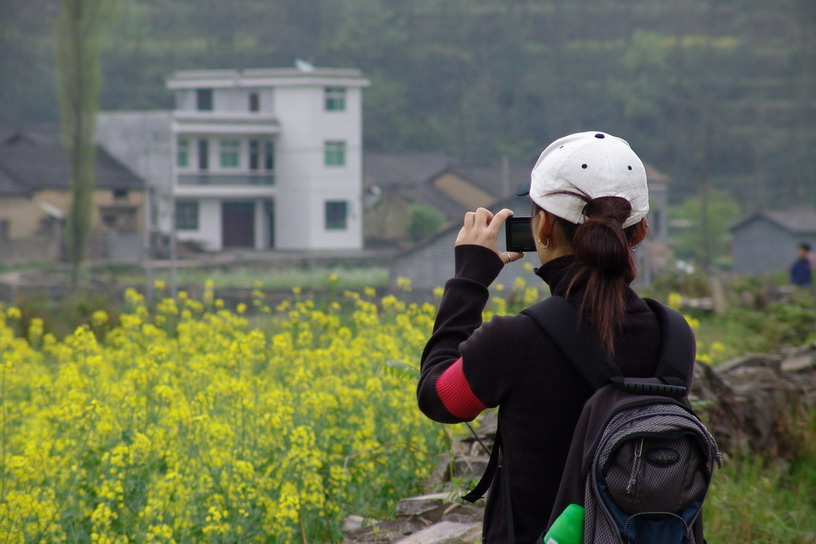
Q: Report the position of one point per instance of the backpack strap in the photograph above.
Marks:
(576, 339)
(678, 349)
(490, 471)
(487, 479)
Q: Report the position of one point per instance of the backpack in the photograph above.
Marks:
(640, 461)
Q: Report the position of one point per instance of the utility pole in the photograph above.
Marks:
(505, 174)
(148, 228)
(705, 245)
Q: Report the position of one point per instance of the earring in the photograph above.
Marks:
(542, 245)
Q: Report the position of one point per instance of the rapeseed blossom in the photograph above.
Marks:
(190, 422)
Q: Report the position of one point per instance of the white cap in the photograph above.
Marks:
(594, 163)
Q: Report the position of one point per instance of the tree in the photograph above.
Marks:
(26, 61)
(78, 29)
(722, 210)
(423, 222)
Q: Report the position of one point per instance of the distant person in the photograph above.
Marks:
(800, 271)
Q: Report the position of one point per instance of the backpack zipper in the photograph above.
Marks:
(630, 486)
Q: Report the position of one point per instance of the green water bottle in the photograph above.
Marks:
(568, 527)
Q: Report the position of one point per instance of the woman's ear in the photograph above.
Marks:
(640, 232)
(544, 226)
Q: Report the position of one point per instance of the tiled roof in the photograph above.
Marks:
(35, 160)
(403, 169)
(413, 174)
(491, 177)
(795, 220)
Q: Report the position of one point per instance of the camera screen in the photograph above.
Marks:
(519, 236)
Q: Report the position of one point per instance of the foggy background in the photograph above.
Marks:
(716, 90)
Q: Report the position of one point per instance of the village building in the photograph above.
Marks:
(35, 197)
(395, 182)
(256, 158)
(765, 241)
(429, 263)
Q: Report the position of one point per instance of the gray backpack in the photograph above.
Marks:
(640, 461)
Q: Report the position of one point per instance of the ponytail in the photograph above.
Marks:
(604, 264)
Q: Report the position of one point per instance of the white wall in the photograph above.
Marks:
(304, 181)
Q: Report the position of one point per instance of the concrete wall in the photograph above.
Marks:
(26, 215)
(120, 247)
(35, 249)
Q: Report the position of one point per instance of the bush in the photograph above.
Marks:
(423, 222)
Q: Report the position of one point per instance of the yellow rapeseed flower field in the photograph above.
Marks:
(190, 422)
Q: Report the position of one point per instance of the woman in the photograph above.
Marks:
(589, 205)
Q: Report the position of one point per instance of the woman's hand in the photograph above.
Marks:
(482, 228)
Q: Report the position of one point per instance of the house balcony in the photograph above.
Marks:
(197, 122)
(221, 179)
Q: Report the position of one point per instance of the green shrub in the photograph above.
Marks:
(423, 222)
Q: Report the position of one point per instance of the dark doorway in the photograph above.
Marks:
(238, 224)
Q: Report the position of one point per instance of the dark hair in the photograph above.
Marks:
(604, 263)
(805, 246)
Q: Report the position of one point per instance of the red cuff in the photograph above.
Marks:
(455, 393)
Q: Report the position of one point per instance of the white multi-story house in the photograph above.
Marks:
(259, 158)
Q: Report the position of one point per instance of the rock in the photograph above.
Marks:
(447, 532)
(384, 532)
(748, 361)
(470, 466)
(801, 363)
(754, 403)
(429, 507)
(355, 523)
(751, 403)
(352, 523)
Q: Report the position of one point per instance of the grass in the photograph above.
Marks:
(286, 279)
(765, 501)
(273, 279)
(762, 502)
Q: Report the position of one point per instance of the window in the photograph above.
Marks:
(336, 214)
(110, 220)
(204, 99)
(334, 153)
(120, 194)
(203, 155)
(183, 154)
(335, 98)
(186, 215)
(254, 102)
(254, 155)
(269, 156)
(230, 150)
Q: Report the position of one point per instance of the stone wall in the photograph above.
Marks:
(752, 404)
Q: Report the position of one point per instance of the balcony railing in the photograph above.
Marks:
(246, 178)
